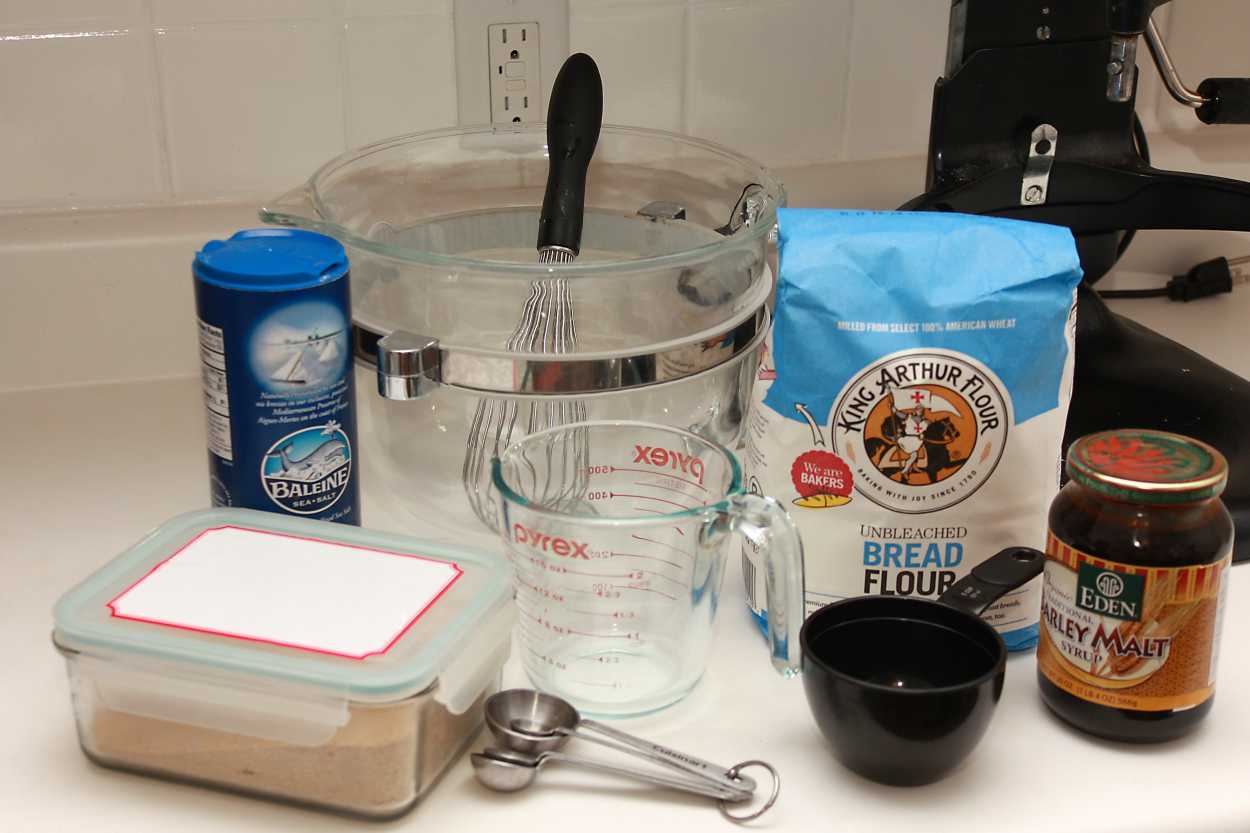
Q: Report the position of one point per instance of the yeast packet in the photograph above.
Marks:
(910, 409)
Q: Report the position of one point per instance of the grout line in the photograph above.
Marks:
(234, 22)
(687, 70)
(156, 103)
(453, 66)
(843, 150)
(338, 19)
(185, 376)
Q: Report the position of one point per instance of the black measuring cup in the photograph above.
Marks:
(903, 688)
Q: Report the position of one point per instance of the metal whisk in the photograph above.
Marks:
(547, 320)
(546, 326)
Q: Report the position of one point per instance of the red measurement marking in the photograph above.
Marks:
(656, 499)
(578, 590)
(619, 615)
(649, 557)
(599, 574)
(602, 635)
(646, 590)
(676, 581)
(659, 543)
(654, 473)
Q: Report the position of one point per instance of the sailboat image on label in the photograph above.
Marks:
(291, 371)
(306, 363)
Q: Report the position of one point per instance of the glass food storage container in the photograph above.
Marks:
(291, 659)
(661, 317)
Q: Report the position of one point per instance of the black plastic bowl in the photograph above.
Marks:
(902, 688)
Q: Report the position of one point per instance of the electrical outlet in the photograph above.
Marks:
(507, 55)
(515, 72)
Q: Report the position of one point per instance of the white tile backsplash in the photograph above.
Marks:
(57, 13)
(400, 76)
(153, 101)
(641, 52)
(377, 8)
(176, 12)
(132, 304)
(769, 77)
(250, 109)
(898, 49)
(80, 124)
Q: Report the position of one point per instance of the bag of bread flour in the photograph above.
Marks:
(911, 407)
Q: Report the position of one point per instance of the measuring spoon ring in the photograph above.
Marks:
(531, 721)
(506, 770)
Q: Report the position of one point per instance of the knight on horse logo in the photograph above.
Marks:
(920, 435)
(921, 430)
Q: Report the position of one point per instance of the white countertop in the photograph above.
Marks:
(91, 469)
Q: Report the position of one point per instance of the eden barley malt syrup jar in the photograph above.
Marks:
(1136, 578)
(275, 356)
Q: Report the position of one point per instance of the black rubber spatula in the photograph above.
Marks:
(573, 120)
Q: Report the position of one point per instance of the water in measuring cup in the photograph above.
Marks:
(619, 618)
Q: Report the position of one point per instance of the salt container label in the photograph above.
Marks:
(279, 398)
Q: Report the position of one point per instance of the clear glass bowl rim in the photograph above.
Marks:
(312, 192)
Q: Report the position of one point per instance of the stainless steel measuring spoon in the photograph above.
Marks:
(530, 722)
(507, 770)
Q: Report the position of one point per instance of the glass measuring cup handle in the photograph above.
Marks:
(768, 527)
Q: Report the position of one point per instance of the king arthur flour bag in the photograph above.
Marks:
(911, 407)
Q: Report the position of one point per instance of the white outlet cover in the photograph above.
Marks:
(516, 83)
(472, 20)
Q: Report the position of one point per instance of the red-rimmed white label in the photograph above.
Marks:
(285, 590)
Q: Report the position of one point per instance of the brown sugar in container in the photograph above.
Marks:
(291, 659)
(1138, 554)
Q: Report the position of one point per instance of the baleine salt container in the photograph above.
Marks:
(287, 658)
(275, 358)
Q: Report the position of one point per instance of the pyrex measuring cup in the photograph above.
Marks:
(618, 565)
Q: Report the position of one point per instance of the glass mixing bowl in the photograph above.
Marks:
(661, 313)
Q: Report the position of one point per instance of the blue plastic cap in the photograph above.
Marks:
(271, 260)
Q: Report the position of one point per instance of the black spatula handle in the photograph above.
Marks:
(573, 121)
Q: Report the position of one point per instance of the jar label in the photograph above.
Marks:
(1127, 636)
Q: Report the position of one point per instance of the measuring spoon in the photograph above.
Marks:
(507, 770)
(531, 721)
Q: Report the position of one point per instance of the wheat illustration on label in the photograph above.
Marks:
(1114, 627)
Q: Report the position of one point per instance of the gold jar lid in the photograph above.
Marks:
(1147, 466)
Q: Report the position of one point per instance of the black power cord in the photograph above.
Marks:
(1211, 277)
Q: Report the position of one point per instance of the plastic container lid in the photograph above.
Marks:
(356, 614)
(1147, 466)
(271, 260)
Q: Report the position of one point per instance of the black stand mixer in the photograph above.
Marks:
(1034, 119)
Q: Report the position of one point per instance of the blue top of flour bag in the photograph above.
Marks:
(961, 278)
